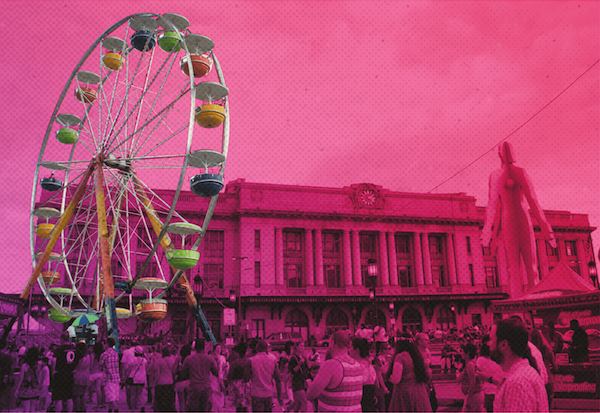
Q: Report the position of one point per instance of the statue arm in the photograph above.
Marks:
(492, 211)
(537, 210)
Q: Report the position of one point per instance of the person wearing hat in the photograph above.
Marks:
(339, 383)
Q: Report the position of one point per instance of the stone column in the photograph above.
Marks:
(308, 262)
(581, 256)
(543, 257)
(319, 258)
(347, 258)
(356, 258)
(418, 258)
(451, 260)
(392, 257)
(279, 279)
(383, 260)
(426, 259)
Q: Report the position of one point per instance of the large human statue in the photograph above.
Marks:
(507, 218)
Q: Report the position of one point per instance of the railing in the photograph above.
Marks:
(335, 291)
(444, 289)
(494, 290)
(296, 291)
(410, 290)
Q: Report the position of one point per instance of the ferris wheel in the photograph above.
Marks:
(145, 109)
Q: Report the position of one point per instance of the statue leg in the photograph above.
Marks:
(513, 261)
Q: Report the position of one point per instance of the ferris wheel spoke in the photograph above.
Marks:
(158, 117)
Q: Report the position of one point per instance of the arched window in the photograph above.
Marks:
(412, 320)
(381, 320)
(447, 318)
(336, 320)
(296, 320)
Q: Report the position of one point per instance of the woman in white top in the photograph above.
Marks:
(218, 383)
(488, 368)
(360, 352)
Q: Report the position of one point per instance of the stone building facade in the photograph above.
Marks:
(294, 258)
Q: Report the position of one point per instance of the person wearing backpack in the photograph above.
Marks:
(28, 386)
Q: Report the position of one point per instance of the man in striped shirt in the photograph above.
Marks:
(338, 385)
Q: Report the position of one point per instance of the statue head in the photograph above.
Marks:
(506, 153)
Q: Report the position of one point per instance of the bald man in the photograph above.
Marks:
(338, 385)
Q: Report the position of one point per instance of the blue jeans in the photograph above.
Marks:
(199, 400)
(262, 404)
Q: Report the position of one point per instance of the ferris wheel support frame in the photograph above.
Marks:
(105, 277)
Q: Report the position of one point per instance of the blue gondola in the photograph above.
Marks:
(206, 185)
(143, 40)
(51, 184)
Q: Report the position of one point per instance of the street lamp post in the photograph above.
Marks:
(239, 297)
(593, 271)
(372, 271)
(199, 290)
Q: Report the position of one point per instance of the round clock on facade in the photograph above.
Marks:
(367, 197)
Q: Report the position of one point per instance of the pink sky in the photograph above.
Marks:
(402, 94)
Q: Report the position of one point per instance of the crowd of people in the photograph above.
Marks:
(509, 367)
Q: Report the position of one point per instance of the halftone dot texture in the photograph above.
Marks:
(402, 94)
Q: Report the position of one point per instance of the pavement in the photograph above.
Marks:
(449, 395)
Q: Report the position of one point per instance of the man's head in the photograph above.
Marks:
(551, 325)
(340, 339)
(574, 324)
(508, 338)
(200, 345)
(111, 342)
(64, 338)
(261, 346)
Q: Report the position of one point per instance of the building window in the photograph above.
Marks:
(486, 250)
(435, 244)
(297, 321)
(213, 275)
(447, 318)
(332, 276)
(257, 274)
(257, 240)
(472, 274)
(412, 320)
(116, 267)
(150, 271)
(438, 276)
(550, 250)
(571, 247)
(293, 275)
(491, 277)
(402, 244)
(331, 242)
(404, 276)
(575, 268)
(143, 237)
(336, 320)
(469, 245)
(368, 244)
(292, 241)
(476, 319)
(214, 241)
(258, 328)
